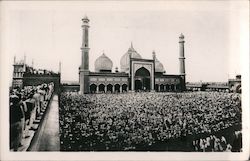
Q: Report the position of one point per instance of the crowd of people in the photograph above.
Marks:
(26, 106)
(138, 121)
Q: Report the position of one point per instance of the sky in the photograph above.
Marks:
(216, 35)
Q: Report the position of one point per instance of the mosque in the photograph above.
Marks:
(136, 73)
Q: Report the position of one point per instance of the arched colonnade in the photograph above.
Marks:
(167, 87)
(108, 88)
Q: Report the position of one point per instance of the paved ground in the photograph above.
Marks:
(47, 137)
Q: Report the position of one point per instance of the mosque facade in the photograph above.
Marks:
(136, 73)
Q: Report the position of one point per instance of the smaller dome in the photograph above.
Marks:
(159, 68)
(103, 63)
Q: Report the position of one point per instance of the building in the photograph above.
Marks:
(69, 86)
(25, 75)
(235, 84)
(136, 73)
(232, 85)
(208, 86)
(20, 68)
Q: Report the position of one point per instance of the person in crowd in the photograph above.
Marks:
(30, 104)
(16, 122)
(37, 97)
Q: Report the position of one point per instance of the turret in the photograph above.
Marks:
(116, 69)
(153, 55)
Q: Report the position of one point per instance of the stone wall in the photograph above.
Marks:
(30, 79)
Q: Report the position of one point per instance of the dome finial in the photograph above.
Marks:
(131, 46)
(103, 63)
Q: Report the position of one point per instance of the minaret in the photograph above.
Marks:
(24, 58)
(153, 55)
(24, 63)
(84, 68)
(182, 62)
(32, 63)
(154, 58)
(130, 56)
(60, 67)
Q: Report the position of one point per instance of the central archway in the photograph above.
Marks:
(142, 79)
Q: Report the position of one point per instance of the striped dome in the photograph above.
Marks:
(103, 63)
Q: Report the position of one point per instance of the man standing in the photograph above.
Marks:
(30, 106)
(16, 126)
(36, 111)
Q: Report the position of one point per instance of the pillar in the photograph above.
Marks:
(84, 68)
(152, 83)
(113, 89)
(105, 89)
(120, 88)
(182, 61)
(132, 83)
(97, 89)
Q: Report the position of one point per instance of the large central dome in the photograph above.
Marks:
(103, 63)
(124, 62)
